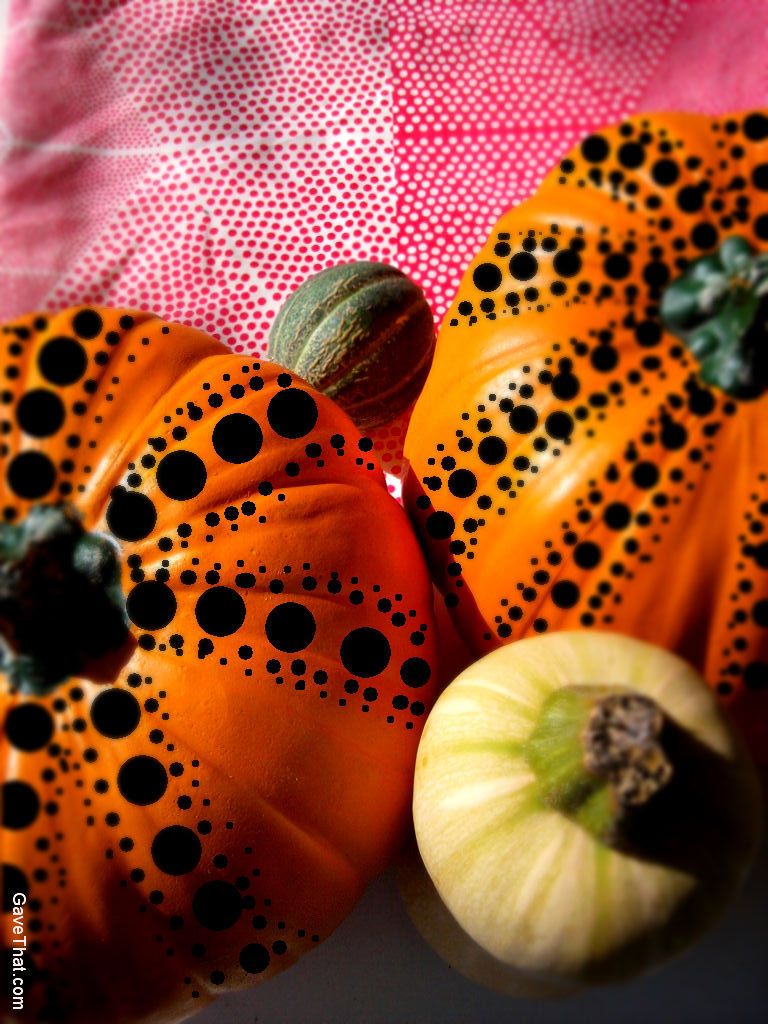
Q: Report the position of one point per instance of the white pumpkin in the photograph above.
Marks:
(583, 810)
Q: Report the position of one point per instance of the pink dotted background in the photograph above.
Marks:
(201, 158)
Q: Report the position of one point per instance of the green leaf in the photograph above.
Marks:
(680, 305)
(736, 255)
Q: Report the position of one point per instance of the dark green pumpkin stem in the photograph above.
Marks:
(597, 756)
(61, 604)
(719, 308)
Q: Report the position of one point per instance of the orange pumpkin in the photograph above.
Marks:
(591, 446)
(216, 658)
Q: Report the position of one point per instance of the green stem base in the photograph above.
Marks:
(597, 755)
(62, 608)
(719, 308)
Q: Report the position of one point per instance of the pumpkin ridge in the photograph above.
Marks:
(189, 384)
(316, 704)
(580, 271)
(95, 499)
(511, 436)
(322, 843)
(621, 494)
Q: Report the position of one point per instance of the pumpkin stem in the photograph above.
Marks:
(598, 756)
(719, 308)
(61, 603)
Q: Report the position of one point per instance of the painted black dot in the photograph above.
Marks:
(492, 450)
(115, 713)
(645, 474)
(673, 435)
(704, 236)
(176, 850)
(690, 198)
(217, 905)
(656, 274)
(559, 425)
(760, 177)
(21, 805)
(220, 611)
(31, 475)
(487, 277)
(62, 361)
(617, 515)
(40, 413)
(87, 324)
(701, 401)
(565, 386)
(28, 726)
(567, 263)
(142, 780)
(523, 266)
(415, 672)
(181, 475)
(523, 419)
(617, 266)
(604, 358)
(648, 333)
(756, 127)
(586, 555)
(365, 652)
(151, 605)
(290, 627)
(594, 149)
(254, 958)
(462, 483)
(631, 155)
(565, 594)
(237, 438)
(130, 514)
(292, 413)
(665, 172)
(440, 525)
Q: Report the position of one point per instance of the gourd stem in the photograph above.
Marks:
(598, 755)
(61, 603)
(719, 308)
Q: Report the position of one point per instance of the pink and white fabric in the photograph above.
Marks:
(201, 158)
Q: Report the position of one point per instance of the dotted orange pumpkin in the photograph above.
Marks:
(591, 446)
(216, 657)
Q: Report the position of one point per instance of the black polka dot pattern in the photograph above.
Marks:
(165, 775)
(595, 479)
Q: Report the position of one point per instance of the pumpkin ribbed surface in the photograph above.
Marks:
(205, 804)
(572, 463)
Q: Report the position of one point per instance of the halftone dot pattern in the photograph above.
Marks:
(213, 156)
(488, 96)
(211, 162)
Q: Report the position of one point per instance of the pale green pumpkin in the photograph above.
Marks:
(583, 811)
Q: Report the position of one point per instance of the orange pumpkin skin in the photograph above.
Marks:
(210, 810)
(569, 467)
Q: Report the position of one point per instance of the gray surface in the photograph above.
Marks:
(376, 969)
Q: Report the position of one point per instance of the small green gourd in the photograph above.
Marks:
(361, 333)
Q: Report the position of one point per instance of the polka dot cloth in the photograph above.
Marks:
(203, 169)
